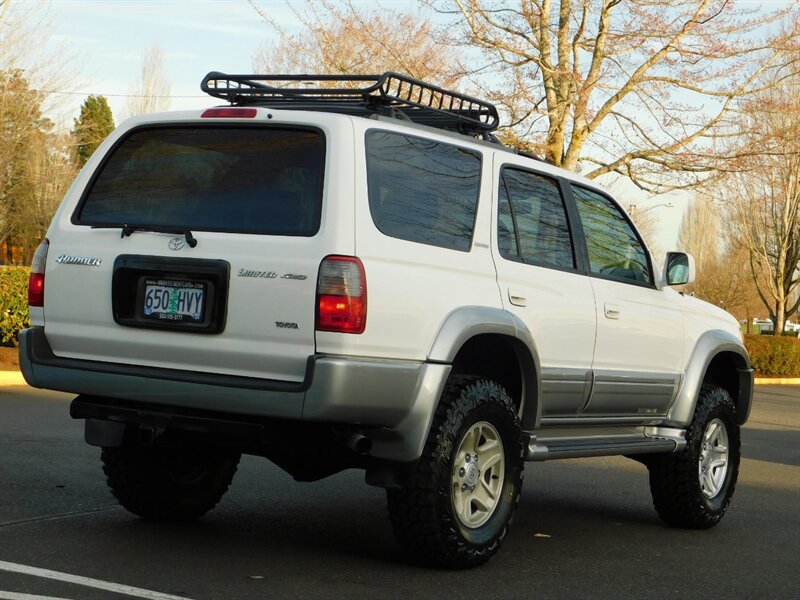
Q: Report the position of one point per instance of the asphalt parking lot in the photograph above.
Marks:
(584, 528)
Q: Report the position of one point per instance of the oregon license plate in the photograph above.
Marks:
(169, 300)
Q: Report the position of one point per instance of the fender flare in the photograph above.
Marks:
(708, 346)
(466, 322)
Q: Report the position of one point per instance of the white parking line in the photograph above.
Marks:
(84, 581)
(15, 596)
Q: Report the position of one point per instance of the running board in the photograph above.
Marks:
(581, 447)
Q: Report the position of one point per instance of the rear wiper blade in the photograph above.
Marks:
(129, 229)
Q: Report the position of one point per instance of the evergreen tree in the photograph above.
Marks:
(92, 127)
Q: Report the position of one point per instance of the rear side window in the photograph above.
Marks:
(234, 179)
(422, 190)
(531, 221)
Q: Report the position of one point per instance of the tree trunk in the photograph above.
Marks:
(780, 317)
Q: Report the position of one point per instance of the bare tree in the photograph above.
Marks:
(765, 194)
(736, 259)
(24, 130)
(30, 146)
(723, 274)
(346, 39)
(151, 92)
(647, 224)
(700, 233)
(52, 170)
(26, 45)
(642, 88)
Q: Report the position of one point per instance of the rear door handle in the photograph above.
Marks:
(516, 298)
(612, 311)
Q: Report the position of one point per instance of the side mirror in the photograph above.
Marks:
(679, 268)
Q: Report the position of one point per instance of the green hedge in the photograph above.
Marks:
(785, 333)
(772, 355)
(13, 303)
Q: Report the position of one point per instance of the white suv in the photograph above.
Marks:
(357, 274)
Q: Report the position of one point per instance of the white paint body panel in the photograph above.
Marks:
(646, 335)
(78, 305)
(559, 309)
(701, 317)
(640, 350)
(593, 336)
(412, 287)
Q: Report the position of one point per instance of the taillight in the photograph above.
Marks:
(229, 113)
(36, 279)
(341, 295)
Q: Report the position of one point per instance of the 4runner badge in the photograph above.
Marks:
(66, 259)
(177, 243)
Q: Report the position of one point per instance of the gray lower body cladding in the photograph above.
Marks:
(335, 390)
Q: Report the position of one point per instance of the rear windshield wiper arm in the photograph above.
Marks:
(129, 229)
(187, 233)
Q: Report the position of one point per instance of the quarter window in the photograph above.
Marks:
(614, 248)
(422, 190)
(532, 224)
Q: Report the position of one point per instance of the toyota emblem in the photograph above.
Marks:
(177, 243)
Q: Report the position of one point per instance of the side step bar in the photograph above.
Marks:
(661, 440)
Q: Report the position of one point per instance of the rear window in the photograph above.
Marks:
(235, 179)
(422, 190)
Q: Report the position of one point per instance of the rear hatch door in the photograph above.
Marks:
(201, 245)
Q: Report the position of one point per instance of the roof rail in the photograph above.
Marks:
(527, 154)
(390, 93)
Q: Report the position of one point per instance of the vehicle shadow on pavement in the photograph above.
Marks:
(251, 539)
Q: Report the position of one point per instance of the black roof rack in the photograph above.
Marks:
(390, 93)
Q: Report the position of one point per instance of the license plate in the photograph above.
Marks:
(179, 301)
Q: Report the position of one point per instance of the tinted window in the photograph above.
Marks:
(614, 248)
(421, 190)
(532, 223)
(251, 180)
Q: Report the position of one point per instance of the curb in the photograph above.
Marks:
(9, 378)
(777, 381)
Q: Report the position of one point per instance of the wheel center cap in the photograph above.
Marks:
(473, 472)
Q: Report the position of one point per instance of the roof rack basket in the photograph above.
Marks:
(390, 93)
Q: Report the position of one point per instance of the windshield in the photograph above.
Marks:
(236, 179)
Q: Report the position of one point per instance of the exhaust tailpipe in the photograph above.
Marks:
(358, 443)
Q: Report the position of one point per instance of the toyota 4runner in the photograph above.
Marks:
(351, 272)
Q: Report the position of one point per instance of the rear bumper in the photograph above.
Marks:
(395, 399)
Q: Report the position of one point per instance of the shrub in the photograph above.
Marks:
(13, 303)
(786, 333)
(772, 355)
